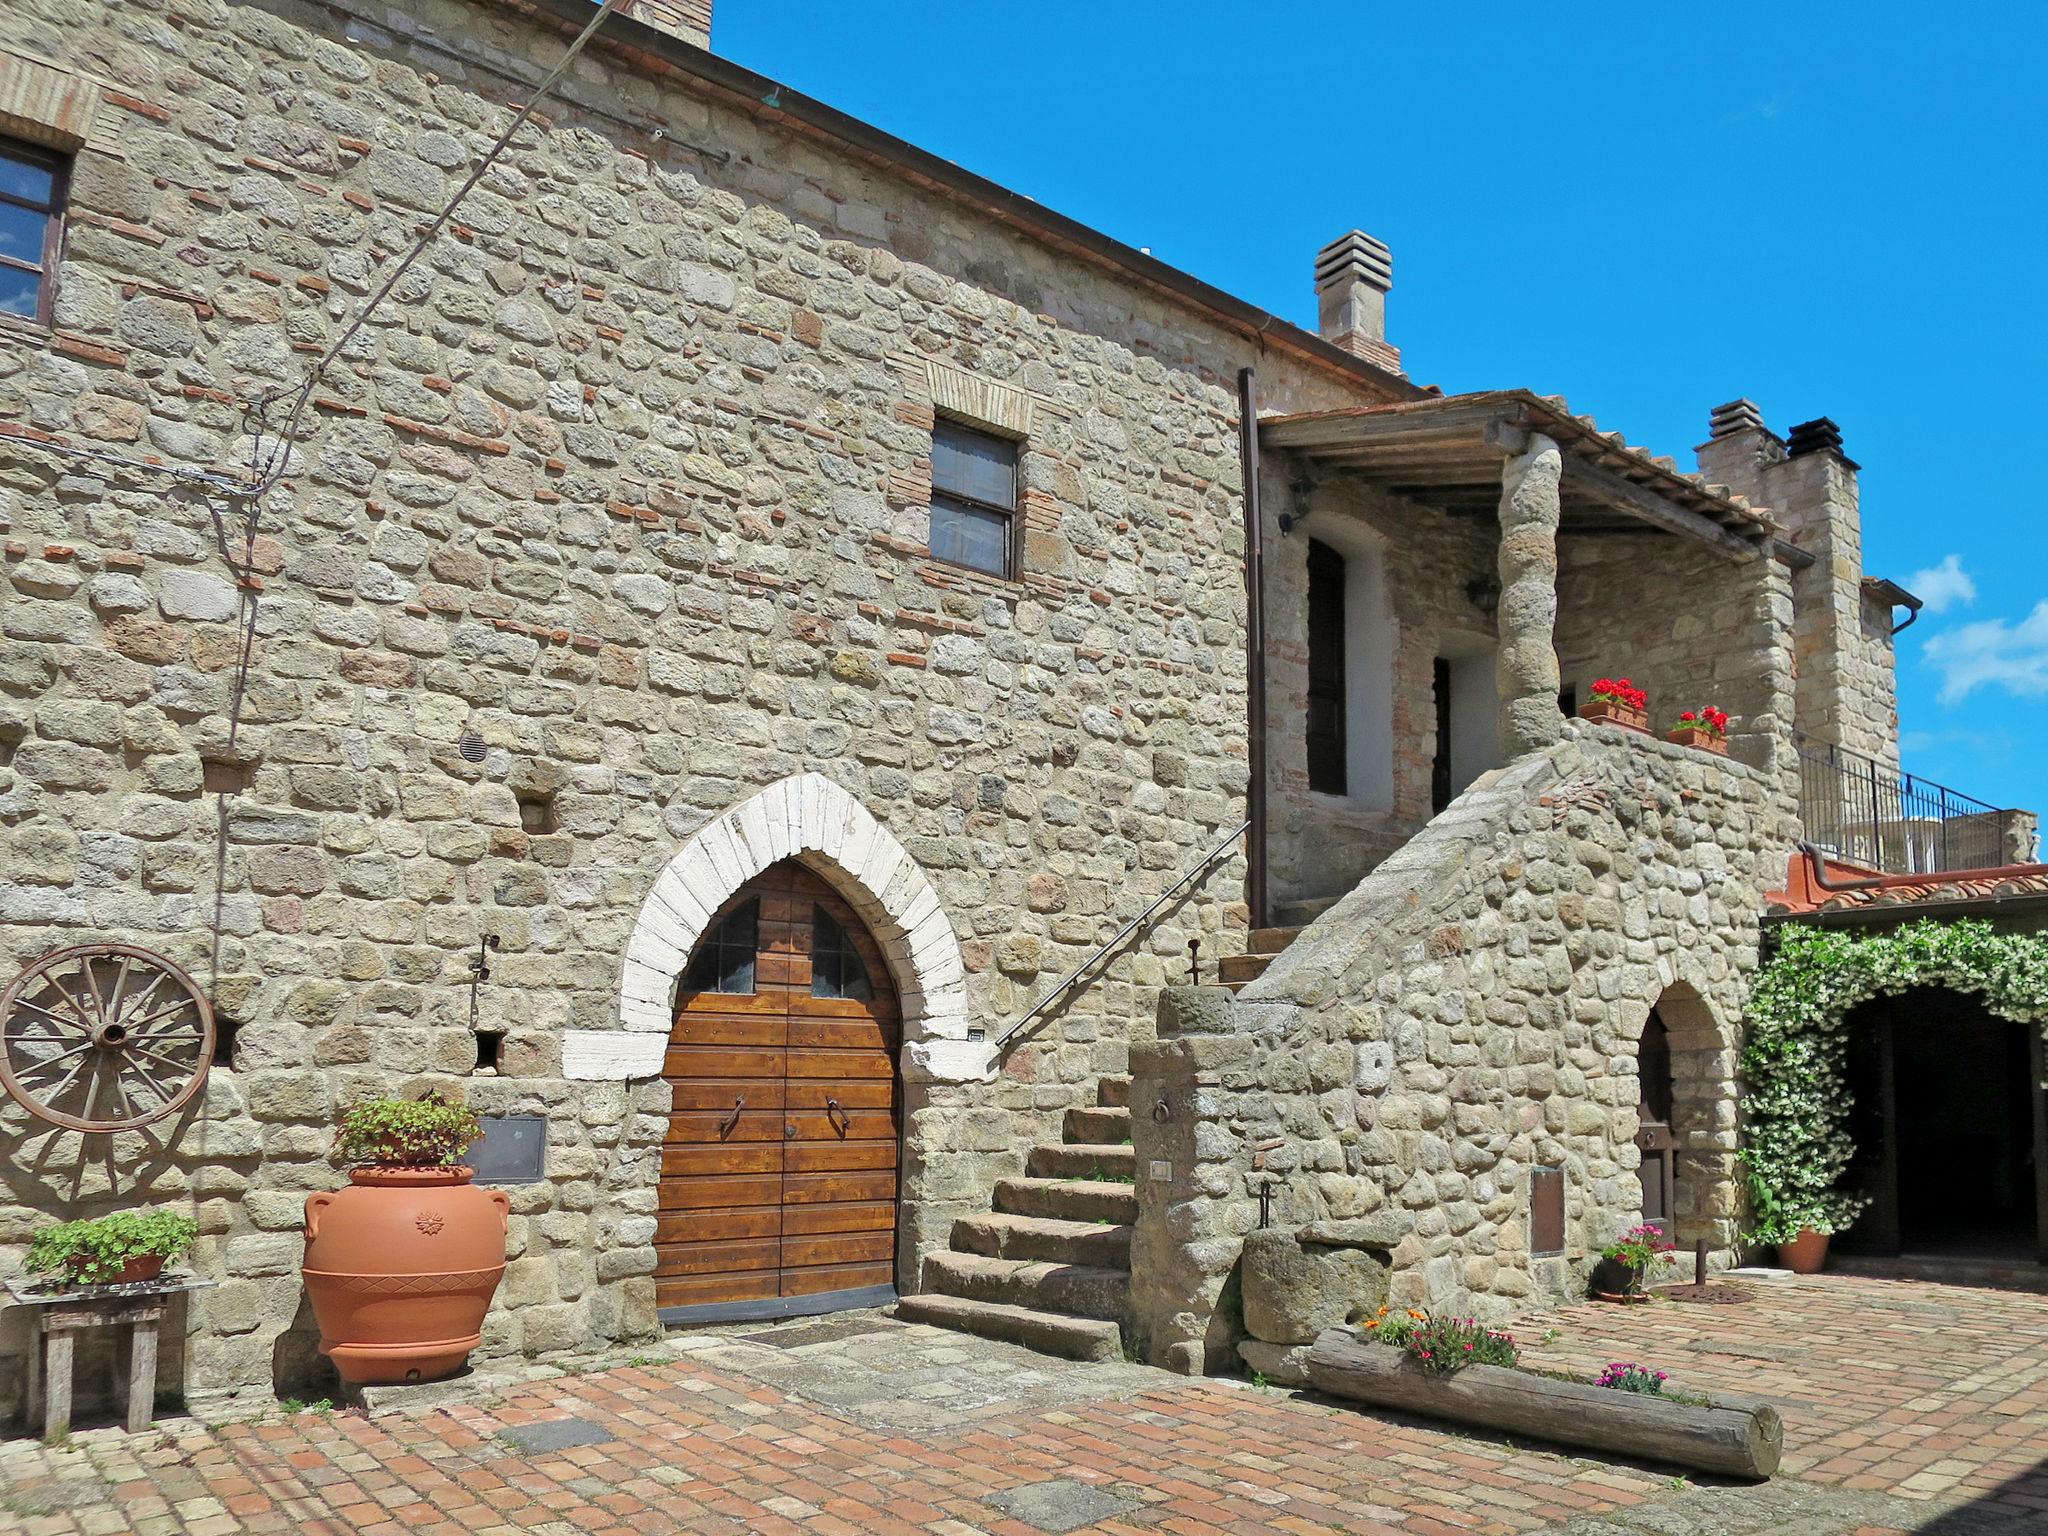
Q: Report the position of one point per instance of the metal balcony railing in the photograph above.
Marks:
(1862, 812)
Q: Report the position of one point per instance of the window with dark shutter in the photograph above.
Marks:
(1440, 769)
(32, 185)
(1328, 755)
(1546, 1211)
(974, 499)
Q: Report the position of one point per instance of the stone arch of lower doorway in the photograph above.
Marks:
(1703, 1112)
(810, 818)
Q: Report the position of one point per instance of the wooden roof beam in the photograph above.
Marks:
(1584, 478)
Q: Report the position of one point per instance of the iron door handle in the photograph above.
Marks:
(733, 1119)
(842, 1122)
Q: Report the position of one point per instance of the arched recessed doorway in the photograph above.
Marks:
(1949, 1127)
(778, 1191)
(1655, 1138)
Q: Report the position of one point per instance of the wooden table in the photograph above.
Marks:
(65, 1314)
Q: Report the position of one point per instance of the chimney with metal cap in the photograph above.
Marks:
(1353, 275)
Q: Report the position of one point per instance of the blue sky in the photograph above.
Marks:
(1833, 210)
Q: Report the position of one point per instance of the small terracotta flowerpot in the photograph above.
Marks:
(1609, 712)
(1699, 738)
(1806, 1254)
(1613, 1280)
(144, 1266)
(401, 1267)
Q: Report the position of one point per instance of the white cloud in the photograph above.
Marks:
(1943, 586)
(1992, 653)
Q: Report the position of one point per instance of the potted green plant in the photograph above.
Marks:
(1626, 1261)
(1798, 1228)
(122, 1249)
(401, 1266)
(1617, 701)
(1705, 730)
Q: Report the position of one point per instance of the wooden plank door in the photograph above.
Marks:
(779, 1174)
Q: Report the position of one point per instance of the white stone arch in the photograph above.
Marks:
(807, 817)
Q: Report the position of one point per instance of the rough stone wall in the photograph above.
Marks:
(1322, 845)
(1469, 1013)
(1691, 627)
(629, 481)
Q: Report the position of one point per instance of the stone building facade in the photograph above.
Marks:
(597, 577)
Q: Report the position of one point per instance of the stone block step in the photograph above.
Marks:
(1239, 969)
(1046, 1239)
(1067, 1199)
(1050, 1333)
(1079, 1290)
(1270, 941)
(1114, 1091)
(1100, 1126)
(1082, 1161)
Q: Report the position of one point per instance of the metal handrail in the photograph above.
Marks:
(1867, 812)
(1121, 934)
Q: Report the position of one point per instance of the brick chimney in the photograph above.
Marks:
(1353, 275)
(689, 20)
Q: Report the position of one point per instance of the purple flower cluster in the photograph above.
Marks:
(1627, 1376)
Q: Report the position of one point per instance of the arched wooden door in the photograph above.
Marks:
(778, 1177)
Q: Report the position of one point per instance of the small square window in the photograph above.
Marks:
(32, 186)
(974, 498)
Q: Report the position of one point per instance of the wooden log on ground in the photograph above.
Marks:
(1740, 1437)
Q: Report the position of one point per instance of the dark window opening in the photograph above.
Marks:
(836, 966)
(1546, 1211)
(538, 815)
(490, 1049)
(724, 961)
(974, 499)
(225, 1032)
(1440, 767)
(1328, 754)
(32, 186)
(1568, 702)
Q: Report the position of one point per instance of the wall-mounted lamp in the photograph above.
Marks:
(1484, 594)
(1300, 495)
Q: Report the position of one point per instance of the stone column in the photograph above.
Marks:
(1528, 673)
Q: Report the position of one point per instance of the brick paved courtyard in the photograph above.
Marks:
(1909, 1407)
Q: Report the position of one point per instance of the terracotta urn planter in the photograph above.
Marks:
(1806, 1254)
(401, 1267)
(1699, 738)
(1614, 712)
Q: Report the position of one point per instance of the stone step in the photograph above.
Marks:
(1067, 1199)
(1050, 1333)
(1045, 1239)
(1270, 941)
(1299, 914)
(1079, 1290)
(1239, 969)
(1082, 1161)
(1101, 1126)
(1114, 1091)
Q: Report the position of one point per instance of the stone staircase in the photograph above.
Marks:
(1050, 1266)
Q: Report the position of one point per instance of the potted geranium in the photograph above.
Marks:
(1705, 729)
(1626, 1261)
(401, 1266)
(1617, 701)
(1798, 1228)
(122, 1249)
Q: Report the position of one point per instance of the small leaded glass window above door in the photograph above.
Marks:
(836, 966)
(724, 961)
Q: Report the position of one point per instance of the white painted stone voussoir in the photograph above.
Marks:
(611, 1055)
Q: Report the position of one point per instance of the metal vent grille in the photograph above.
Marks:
(471, 746)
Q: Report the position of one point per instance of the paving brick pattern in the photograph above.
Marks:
(1890, 1390)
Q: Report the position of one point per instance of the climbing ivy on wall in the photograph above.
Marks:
(1796, 1142)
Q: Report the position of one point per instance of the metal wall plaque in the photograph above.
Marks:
(512, 1150)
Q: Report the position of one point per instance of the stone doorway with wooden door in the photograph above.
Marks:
(778, 1194)
(1655, 1138)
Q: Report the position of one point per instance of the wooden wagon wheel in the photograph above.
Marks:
(104, 1037)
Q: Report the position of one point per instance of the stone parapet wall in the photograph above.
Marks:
(1468, 1014)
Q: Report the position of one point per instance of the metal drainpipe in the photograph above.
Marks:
(1255, 646)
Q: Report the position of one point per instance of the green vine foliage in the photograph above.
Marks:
(408, 1133)
(1796, 1142)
